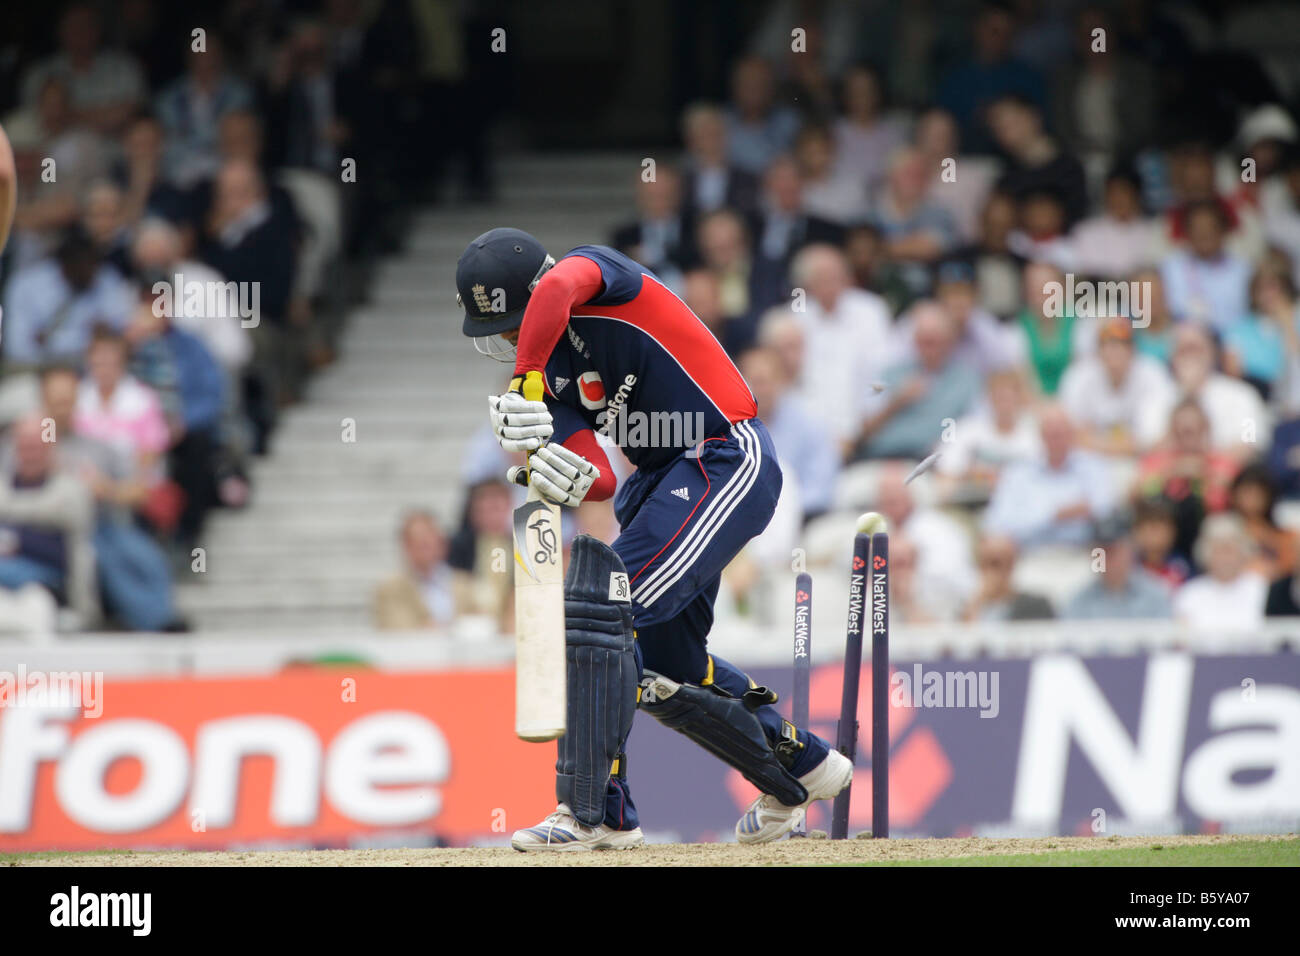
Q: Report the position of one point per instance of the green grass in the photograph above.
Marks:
(1277, 853)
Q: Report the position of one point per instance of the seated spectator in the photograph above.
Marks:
(997, 598)
(1280, 204)
(917, 231)
(1193, 179)
(710, 181)
(1035, 161)
(1106, 393)
(192, 389)
(1102, 104)
(997, 268)
(104, 221)
(133, 573)
(156, 256)
(1042, 236)
(658, 237)
(52, 306)
(1055, 500)
(993, 71)
(306, 104)
(865, 137)
(1253, 497)
(191, 108)
(246, 242)
(105, 87)
(1121, 240)
(843, 329)
(46, 520)
(909, 603)
(783, 226)
(1188, 473)
(1050, 341)
(420, 596)
(998, 433)
(1155, 339)
(1155, 533)
(757, 129)
(1263, 345)
(118, 410)
(921, 393)
(50, 134)
(982, 341)
(944, 577)
(803, 445)
(1229, 597)
(745, 289)
(1123, 590)
(827, 193)
(874, 271)
(962, 197)
(140, 174)
(702, 293)
(481, 550)
(1240, 424)
(1204, 283)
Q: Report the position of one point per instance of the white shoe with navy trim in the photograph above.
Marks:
(769, 819)
(562, 832)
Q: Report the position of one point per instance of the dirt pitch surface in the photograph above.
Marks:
(806, 852)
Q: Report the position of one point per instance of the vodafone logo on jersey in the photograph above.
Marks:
(591, 390)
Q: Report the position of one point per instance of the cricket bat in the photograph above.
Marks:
(540, 672)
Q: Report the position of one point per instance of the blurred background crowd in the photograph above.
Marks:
(882, 210)
(897, 276)
(251, 158)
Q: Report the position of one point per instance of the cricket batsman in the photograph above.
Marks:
(614, 349)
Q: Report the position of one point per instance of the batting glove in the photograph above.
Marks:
(558, 474)
(520, 424)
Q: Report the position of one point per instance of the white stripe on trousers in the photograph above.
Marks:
(694, 546)
(728, 490)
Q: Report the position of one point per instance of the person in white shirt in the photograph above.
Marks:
(1054, 500)
(1204, 283)
(156, 253)
(1001, 433)
(844, 337)
(945, 569)
(1107, 392)
(1229, 597)
(1240, 423)
(1121, 240)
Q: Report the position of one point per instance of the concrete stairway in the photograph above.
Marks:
(305, 556)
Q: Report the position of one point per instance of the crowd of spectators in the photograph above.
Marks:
(198, 194)
(896, 279)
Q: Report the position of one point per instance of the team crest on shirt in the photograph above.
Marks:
(591, 390)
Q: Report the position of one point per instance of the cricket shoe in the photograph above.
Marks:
(769, 819)
(563, 832)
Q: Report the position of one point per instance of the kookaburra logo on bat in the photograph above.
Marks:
(547, 545)
(535, 516)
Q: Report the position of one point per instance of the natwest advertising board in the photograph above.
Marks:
(318, 757)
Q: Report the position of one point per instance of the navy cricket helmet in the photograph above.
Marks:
(496, 274)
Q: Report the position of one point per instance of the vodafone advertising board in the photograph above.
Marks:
(319, 757)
